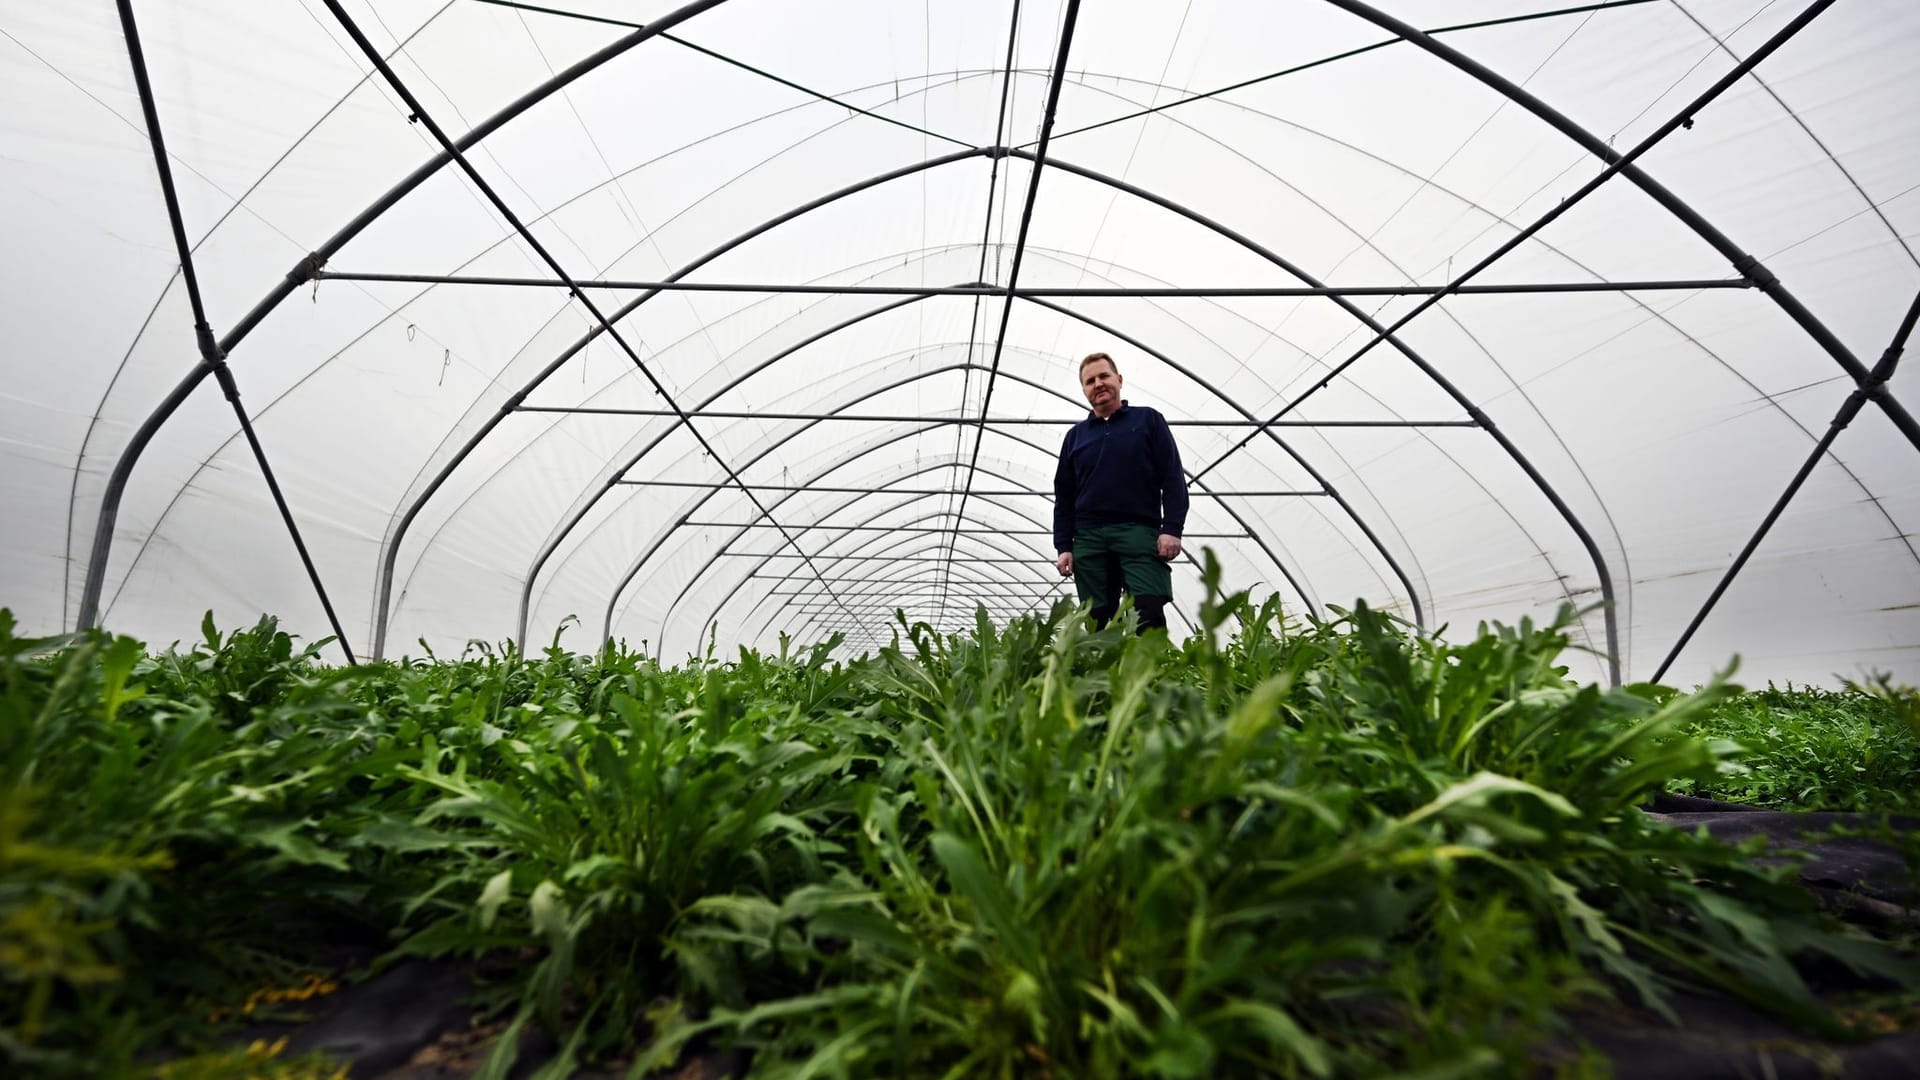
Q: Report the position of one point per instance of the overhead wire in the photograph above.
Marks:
(877, 442)
(396, 312)
(1003, 223)
(1001, 120)
(1428, 181)
(212, 358)
(1042, 253)
(1849, 409)
(1346, 55)
(1642, 304)
(723, 58)
(234, 205)
(420, 114)
(1133, 152)
(893, 476)
(1056, 83)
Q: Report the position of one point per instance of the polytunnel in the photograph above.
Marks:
(424, 321)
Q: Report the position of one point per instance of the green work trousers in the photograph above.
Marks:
(1107, 558)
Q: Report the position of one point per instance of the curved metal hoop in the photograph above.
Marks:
(1747, 265)
(865, 548)
(303, 272)
(1279, 563)
(829, 557)
(1275, 259)
(396, 535)
(582, 508)
(633, 571)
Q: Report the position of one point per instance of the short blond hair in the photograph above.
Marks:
(1094, 358)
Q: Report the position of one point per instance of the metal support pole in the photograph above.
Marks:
(716, 485)
(303, 271)
(1156, 292)
(1875, 384)
(1001, 116)
(212, 360)
(712, 560)
(975, 421)
(1195, 481)
(1007, 589)
(1445, 385)
(1285, 572)
(1347, 54)
(1848, 410)
(1054, 84)
(1618, 163)
(419, 113)
(1744, 263)
(869, 587)
(994, 154)
(392, 548)
(878, 558)
(983, 529)
(945, 572)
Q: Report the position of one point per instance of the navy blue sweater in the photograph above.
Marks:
(1121, 470)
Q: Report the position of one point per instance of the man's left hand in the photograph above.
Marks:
(1169, 547)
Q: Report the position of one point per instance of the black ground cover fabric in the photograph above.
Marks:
(1718, 1039)
(1840, 850)
(382, 1023)
(391, 1025)
(1858, 877)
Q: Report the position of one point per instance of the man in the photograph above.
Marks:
(1120, 501)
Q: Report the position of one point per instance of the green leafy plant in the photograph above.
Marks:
(1287, 847)
(1807, 748)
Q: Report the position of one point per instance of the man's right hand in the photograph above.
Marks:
(1065, 564)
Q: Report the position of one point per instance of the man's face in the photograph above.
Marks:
(1101, 383)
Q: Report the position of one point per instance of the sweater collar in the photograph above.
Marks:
(1091, 415)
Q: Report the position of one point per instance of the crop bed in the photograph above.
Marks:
(1280, 848)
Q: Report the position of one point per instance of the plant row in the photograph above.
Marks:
(1280, 848)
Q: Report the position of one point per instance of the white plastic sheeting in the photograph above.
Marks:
(1667, 421)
